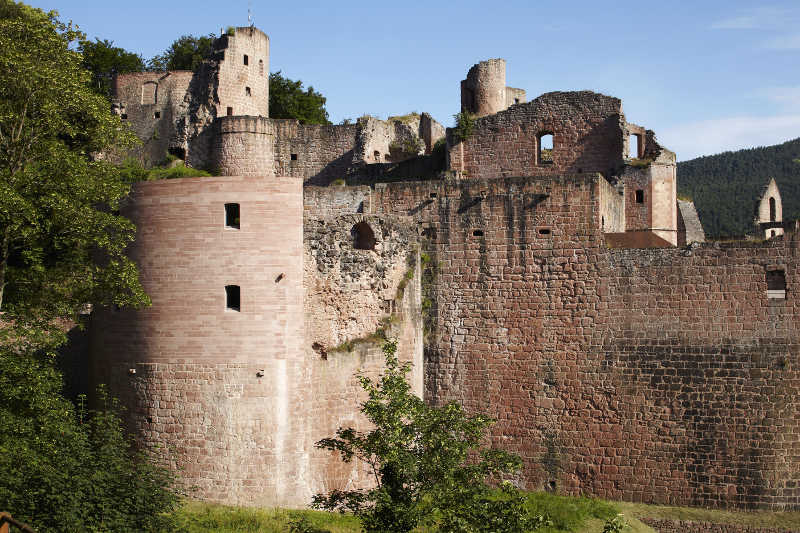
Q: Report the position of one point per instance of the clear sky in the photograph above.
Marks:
(707, 76)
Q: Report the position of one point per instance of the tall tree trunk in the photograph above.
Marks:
(4, 238)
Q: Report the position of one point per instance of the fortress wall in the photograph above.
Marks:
(587, 131)
(235, 76)
(243, 146)
(321, 153)
(484, 91)
(354, 296)
(709, 366)
(662, 376)
(197, 392)
(139, 96)
(327, 202)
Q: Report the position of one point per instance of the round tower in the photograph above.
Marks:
(244, 146)
(212, 373)
(484, 91)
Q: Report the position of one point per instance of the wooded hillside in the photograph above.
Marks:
(725, 186)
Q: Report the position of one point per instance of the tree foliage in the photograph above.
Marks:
(66, 469)
(61, 245)
(725, 186)
(185, 53)
(103, 60)
(287, 99)
(427, 463)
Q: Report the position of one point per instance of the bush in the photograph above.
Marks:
(68, 469)
(428, 465)
(465, 125)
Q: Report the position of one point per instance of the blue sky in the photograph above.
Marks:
(707, 76)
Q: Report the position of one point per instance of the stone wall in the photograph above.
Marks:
(354, 298)
(483, 92)
(224, 394)
(244, 88)
(318, 154)
(687, 526)
(612, 207)
(151, 103)
(243, 146)
(587, 130)
(601, 364)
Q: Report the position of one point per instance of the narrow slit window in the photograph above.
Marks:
(232, 216)
(260, 67)
(544, 231)
(247, 91)
(233, 298)
(246, 60)
(639, 196)
(545, 148)
(776, 284)
(772, 210)
(229, 111)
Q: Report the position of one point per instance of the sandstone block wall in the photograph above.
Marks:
(587, 130)
(318, 154)
(601, 365)
(687, 526)
(235, 77)
(243, 146)
(224, 394)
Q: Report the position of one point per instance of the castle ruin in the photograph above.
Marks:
(539, 283)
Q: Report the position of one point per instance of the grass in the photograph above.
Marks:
(567, 514)
(132, 171)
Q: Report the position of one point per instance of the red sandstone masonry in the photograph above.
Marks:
(224, 393)
(659, 376)
(686, 526)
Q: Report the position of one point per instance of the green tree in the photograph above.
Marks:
(287, 99)
(428, 466)
(65, 469)
(61, 243)
(185, 53)
(103, 60)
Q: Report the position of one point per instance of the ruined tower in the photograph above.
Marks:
(484, 92)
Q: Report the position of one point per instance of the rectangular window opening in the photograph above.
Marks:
(477, 233)
(247, 91)
(294, 157)
(230, 111)
(124, 116)
(776, 284)
(246, 60)
(633, 146)
(157, 114)
(233, 298)
(639, 196)
(232, 216)
(433, 195)
(544, 231)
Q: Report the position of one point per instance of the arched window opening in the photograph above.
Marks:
(545, 148)
(363, 237)
(772, 213)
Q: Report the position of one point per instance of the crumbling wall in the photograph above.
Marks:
(587, 130)
(689, 227)
(151, 103)
(326, 202)
(223, 394)
(355, 298)
(515, 96)
(612, 206)
(769, 211)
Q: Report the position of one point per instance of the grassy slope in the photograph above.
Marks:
(569, 515)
